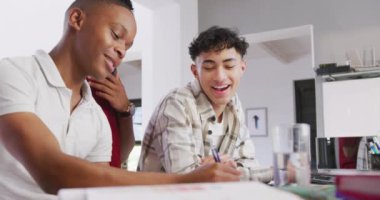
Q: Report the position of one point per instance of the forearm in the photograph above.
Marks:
(53, 170)
(77, 173)
(248, 164)
(127, 138)
(264, 175)
(252, 171)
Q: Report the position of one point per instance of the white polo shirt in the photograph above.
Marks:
(34, 84)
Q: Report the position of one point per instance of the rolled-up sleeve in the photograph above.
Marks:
(178, 139)
(245, 157)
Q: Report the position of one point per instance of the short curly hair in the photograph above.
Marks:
(216, 39)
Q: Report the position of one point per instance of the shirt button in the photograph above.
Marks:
(209, 132)
(213, 118)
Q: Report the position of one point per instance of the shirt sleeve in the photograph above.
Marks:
(17, 89)
(244, 156)
(179, 143)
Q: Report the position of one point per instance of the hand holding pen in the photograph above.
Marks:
(215, 155)
(217, 158)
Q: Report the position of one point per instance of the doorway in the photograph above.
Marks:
(304, 91)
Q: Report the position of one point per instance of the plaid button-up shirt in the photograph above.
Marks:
(177, 136)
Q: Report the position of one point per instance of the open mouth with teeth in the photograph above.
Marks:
(221, 88)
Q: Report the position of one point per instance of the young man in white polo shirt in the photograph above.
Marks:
(206, 115)
(51, 130)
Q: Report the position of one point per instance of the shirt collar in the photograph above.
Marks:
(86, 91)
(49, 69)
(53, 76)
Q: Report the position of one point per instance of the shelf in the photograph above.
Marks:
(351, 75)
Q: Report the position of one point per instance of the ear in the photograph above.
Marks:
(75, 18)
(243, 65)
(194, 70)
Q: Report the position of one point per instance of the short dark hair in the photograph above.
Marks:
(83, 3)
(216, 39)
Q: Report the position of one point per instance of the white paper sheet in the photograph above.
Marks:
(199, 191)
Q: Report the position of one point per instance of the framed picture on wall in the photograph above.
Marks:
(257, 121)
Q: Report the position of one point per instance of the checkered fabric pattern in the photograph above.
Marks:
(178, 135)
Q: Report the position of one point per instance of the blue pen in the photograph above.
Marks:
(215, 155)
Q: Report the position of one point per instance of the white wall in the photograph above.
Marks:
(189, 30)
(131, 69)
(131, 74)
(339, 25)
(30, 25)
(160, 57)
(269, 83)
(164, 57)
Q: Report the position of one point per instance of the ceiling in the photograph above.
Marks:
(285, 45)
(285, 50)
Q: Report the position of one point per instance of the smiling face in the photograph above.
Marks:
(219, 74)
(102, 37)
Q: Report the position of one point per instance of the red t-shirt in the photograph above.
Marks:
(112, 119)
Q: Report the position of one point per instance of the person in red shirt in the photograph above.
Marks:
(110, 94)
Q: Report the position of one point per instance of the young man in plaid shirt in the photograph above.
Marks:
(206, 114)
